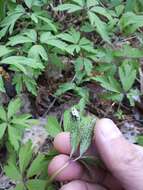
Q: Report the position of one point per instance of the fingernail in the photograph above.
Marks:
(108, 129)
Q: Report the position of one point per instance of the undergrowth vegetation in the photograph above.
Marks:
(96, 42)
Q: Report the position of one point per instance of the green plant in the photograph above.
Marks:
(130, 22)
(96, 43)
(92, 9)
(28, 169)
(28, 63)
(118, 90)
(12, 125)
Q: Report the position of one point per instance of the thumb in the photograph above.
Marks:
(124, 160)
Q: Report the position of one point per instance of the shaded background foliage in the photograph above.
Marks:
(86, 53)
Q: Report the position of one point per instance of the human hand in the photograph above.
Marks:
(124, 162)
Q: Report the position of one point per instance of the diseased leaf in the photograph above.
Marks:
(74, 133)
(86, 134)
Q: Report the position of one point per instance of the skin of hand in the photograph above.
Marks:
(123, 160)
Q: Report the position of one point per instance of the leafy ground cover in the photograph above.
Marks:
(63, 64)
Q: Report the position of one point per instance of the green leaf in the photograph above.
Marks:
(73, 36)
(2, 9)
(86, 45)
(2, 89)
(12, 172)
(127, 75)
(116, 2)
(13, 107)
(130, 22)
(38, 51)
(70, 8)
(17, 81)
(140, 140)
(20, 62)
(31, 84)
(3, 127)
(109, 83)
(9, 22)
(83, 68)
(36, 184)
(29, 3)
(34, 18)
(53, 127)
(91, 3)
(51, 40)
(19, 187)
(14, 137)
(22, 120)
(4, 50)
(113, 96)
(100, 26)
(37, 166)
(128, 52)
(49, 22)
(79, 2)
(3, 115)
(64, 88)
(25, 155)
(102, 11)
(19, 39)
(3, 32)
